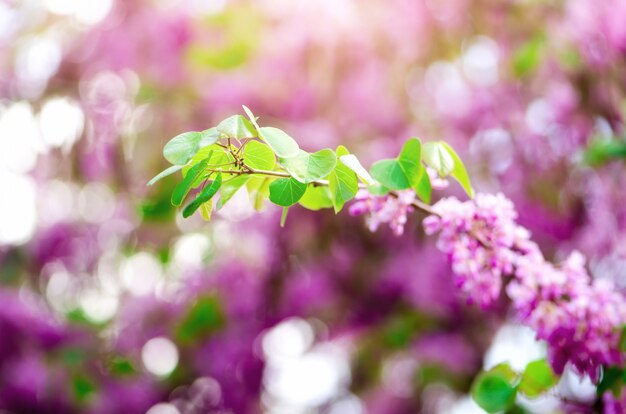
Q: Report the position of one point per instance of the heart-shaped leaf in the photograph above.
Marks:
(237, 126)
(316, 198)
(306, 167)
(180, 149)
(282, 144)
(436, 156)
(259, 156)
(537, 379)
(352, 162)
(402, 172)
(286, 192)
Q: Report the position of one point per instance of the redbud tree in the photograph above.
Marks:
(581, 320)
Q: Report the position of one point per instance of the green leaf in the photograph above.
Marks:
(410, 160)
(537, 379)
(352, 162)
(182, 189)
(612, 380)
(83, 387)
(342, 182)
(423, 189)
(251, 116)
(258, 190)
(286, 192)
(282, 144)
(168, 171)
(205, 195)
(206, 209)
(306, 167)
(389, 173)
(259, 156)
(495, 390)
(180, 149)
(527, 58)
(202, 319)
(403, 172)
(283, 216)
(436, 156)
(316, 198)
(237, 126)
(459, 173)
(622, 340)
(217, 158)
(230, 188)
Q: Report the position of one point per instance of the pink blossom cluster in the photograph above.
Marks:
(384, 209)
(579, 318)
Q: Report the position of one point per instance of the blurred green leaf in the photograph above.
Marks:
(495, 390)
(205, 195)
(537, 379)
(601, 150)
(183, 187)
(259, 156)
(286, 192)
(528, 57)
(316, 198)
(83, 387)
(306, 167)
(229, 189)
(459, 173)
(237, 126)
(436, 156)
(202, 319)
(282, 144)
(258, 190)
(122, 367)
(342, 182)
(612, 380)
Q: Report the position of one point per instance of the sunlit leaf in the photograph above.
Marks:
(316, 198)
(352, 162)
(259, 156)
(306, 167)
(282, 144)
(237, 126)
(436, 156)
(180, 149)
(258, 190)
(403, 172)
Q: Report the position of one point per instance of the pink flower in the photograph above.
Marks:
(384, 209)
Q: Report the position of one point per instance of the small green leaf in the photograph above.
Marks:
(403, 172)
(168, 171)
(612, 380)
(342, 182)
(316, 198)
(205, 195)
(537, 379)
(389, 173)
(459, 173)
(423, 189)
(286, 192)
(230, 188)
(307, 168)
(622, 340)
(206, 209)
(527, 58)
(181, 190)
(258, 190)
(83, 387)
(282, 144)
(352, 162)
(259, 156)
(495, 390)
(436, 156)
(217, 158)
(180, 149)
(251, 116)
(410, 160)
(237, 126)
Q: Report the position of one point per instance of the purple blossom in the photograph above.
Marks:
(384, 209)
